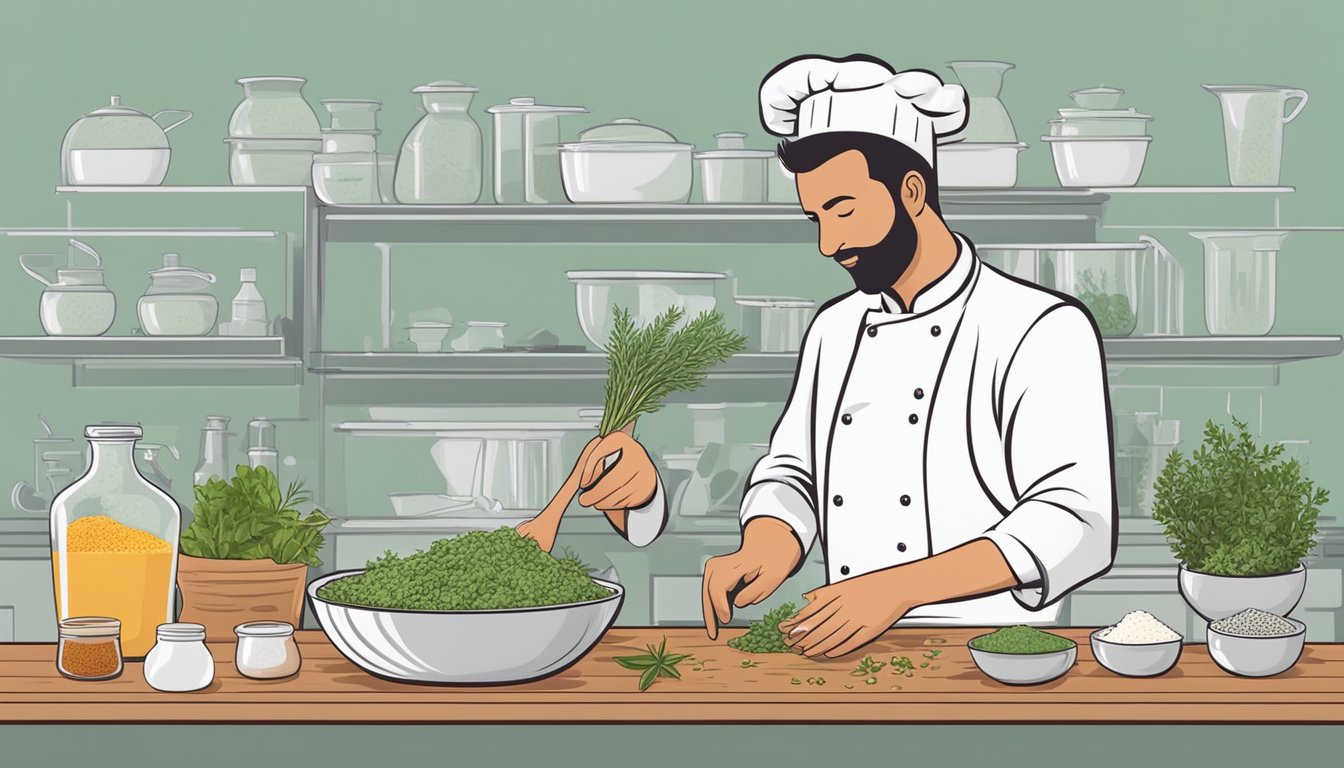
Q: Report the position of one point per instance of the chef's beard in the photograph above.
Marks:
(881, 265)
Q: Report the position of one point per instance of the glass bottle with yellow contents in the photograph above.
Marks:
(114, 539)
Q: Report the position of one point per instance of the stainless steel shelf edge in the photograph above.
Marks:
(1132, 351)
(140, 232)
(187, 189)
(197, 372)
(148, 347)
(1194, 190)
(472, 365)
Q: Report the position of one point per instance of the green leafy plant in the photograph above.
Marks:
(654, 664)
(249, 518)
(1235, 508)
(647, 364)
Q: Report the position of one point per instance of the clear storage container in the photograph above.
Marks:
(441, 158)
(114, 542)
(527, 151)
(1162, 292)
(1239, 280)
(1105, 278)
(732, 173)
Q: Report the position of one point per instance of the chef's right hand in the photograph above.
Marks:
(768, 554)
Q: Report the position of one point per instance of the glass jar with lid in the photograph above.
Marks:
(114, 542)
(89, 648)
(266, 650)
(179, 661)
(441, 159)
(527, 151)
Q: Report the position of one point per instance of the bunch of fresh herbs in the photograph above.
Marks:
(654, 664)
(248, 518)
(647, 364)
(1235, 508)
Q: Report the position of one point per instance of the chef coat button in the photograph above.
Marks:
(844, 570)
(838, 501)
(846, 419)
(905, 501)
(936, 330)
(900, 546)
(914, 418)
(919, 394)
(872, 330)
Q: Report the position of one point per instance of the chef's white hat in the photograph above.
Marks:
(817, 94)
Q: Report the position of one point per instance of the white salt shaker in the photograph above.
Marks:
(266, 650)
(179, 661)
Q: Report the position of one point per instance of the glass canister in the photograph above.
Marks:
(274, 107)
(732, 173)
(988, 121)
(89, 648)
(114, 542)
(441, 158)
(1103, 276)
(179, 661)
(1239, 280)
(527, 151)
(266, 650)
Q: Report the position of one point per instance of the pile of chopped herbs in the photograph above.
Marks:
(647, 364)
(477, 571)
(764, 636)
(1021, 640)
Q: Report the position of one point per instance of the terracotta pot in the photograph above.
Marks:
(221, 594)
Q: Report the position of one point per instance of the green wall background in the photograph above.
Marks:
(693, 68)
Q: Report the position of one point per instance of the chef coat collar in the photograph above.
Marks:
(934, 295)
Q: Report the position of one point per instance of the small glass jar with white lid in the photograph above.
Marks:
(179, 661)
(266, 650)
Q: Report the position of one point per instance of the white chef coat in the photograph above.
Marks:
(981, 413)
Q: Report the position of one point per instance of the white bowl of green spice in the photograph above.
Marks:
(1023, 655)
(1255, 643)
(484, 608)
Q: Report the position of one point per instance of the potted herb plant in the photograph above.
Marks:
(1241, 520)
(246, 554)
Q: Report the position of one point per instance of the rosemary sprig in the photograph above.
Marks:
(647, 364)
(654, 664)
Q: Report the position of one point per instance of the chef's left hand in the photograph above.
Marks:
(843, 617)
(630, 483)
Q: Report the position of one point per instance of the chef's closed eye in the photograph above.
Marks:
(845, 215)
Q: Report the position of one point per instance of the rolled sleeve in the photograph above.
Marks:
(1057, 443)
(783, 483)
(646, 523)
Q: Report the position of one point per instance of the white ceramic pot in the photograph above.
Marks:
(1217, 597)
(978, 165)
(1091, 161)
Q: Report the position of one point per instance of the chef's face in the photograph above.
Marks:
(861, 225)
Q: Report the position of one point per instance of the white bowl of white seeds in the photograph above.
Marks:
(1254, 643)
(1138, 646)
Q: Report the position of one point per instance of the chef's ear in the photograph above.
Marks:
(913, 193)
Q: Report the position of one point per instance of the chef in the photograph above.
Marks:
(947, 439)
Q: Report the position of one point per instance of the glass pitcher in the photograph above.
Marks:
(114, 539)
(527, 151)
(1253, 123)
(441, 158)
(988, 121)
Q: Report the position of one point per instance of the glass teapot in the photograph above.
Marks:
(78, 302)
(118, 145)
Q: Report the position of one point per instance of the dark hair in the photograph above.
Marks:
(888, 160)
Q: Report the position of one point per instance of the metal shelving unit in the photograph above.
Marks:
(142, 347)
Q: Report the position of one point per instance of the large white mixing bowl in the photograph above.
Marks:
(465, 647)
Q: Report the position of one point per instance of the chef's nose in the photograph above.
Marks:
(830, 243)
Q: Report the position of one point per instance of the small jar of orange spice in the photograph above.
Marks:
(89, 648)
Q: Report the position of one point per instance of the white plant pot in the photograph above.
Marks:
(1217, 597)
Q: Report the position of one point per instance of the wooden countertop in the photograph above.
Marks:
(329, 689)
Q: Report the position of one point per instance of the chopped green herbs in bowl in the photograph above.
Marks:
(482, 608)
(1023, 656)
